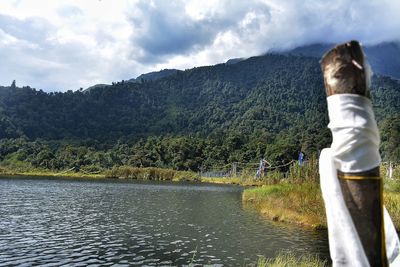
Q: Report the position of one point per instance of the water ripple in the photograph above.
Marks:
(99, 223)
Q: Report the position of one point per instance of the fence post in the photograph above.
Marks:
(234, 169)
(346, 79)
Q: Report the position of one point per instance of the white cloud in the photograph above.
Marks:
(61, 45)
(277, 25)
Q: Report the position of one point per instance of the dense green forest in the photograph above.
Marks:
(269, 107)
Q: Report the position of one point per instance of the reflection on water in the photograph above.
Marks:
(81, 222)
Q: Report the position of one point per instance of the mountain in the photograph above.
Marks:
(96, 86)
(312, 50)
(234, 61)
(384, 57)
(268, 106)
(252, 94)
(153, 76)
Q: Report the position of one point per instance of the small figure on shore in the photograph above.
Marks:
(261, 171)
(301, 158)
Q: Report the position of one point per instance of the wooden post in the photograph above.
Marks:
(362, 191)
(234, 169)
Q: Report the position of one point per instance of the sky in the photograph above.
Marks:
(60, 45)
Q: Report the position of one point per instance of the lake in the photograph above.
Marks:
(78, 222)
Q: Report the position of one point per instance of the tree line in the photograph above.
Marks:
(270, 107)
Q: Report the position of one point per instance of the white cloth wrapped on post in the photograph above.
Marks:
(355, 148)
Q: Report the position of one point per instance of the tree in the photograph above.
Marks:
(13, 85)
(390, 135)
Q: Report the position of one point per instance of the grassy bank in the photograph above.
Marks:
(49, 173)
(392, 199)
(154, 174)
(293, 197)
(122, 172)
(303, 204)
(243, 181)
(295, 203)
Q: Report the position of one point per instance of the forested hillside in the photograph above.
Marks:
(270, 107)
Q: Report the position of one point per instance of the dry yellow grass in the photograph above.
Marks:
(303, 203)
(232, 180)
(41, 173)
(290, 260)
(392, 203)
(295, 203)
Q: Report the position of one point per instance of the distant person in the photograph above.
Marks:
(262, 167)
(301, 158)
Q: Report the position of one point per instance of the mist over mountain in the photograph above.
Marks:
(384, 57)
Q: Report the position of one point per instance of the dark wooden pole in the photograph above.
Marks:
(362, 191)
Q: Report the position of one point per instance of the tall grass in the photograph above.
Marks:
(391, 194)
(295, 174)
(396, 171)
(298, 203)
(290, 260)
(308, 172)
(155, 174)
(392, 203)
(296, 196)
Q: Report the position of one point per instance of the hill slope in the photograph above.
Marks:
(271, 92)
(272, 105)
(153, 76)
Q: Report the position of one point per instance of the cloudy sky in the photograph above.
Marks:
(57, 45)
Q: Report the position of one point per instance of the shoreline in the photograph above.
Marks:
(303, 260)
(245, 182)
(302, 204)
(285, 202)
(52, 174)
(299, 204)
(254, 195)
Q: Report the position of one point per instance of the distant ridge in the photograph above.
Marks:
(264, 106)
(384, 58)
(96, 86)
(154, 75)
(313, 50)
(272, 93)
(234, 61)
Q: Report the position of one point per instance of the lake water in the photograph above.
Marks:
(85, 222)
